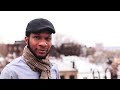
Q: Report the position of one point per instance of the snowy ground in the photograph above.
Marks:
(86, 70)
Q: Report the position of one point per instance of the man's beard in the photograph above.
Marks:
(43, 57)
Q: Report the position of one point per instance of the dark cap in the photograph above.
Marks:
(40, 24)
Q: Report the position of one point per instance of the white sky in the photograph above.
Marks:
(87, 27)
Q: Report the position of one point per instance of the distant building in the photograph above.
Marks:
(68, 74)
(91, 51)
(117, 60)
(16, 48)
(54, 52)
(70, 49)
(67, 70)
(99, 46)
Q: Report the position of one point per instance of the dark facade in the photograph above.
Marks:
(70, 49)
(17, 47)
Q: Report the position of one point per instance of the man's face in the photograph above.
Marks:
(40, 43)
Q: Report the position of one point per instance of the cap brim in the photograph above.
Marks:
(44, 29)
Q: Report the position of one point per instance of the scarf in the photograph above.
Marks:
(41, 66)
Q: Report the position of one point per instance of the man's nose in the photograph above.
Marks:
(43, 43)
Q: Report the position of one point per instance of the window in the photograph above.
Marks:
(62, 77)
(72, 77)
(15, 48)
(10, 48)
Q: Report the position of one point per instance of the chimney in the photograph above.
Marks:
(73, 64)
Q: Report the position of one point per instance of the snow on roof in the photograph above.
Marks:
(63, 66)
(81, 64)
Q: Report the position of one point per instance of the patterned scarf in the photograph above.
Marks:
(42, 66)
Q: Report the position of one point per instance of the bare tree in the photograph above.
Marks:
(58, 39)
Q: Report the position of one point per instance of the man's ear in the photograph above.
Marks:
(26, 40)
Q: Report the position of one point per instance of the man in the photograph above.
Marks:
(114, 70)
(34, 63)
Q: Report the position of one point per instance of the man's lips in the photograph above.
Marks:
(42, 51)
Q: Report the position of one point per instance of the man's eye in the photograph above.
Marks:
(48, 39)
(36, 37)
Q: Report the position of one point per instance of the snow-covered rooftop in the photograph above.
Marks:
(83, 66)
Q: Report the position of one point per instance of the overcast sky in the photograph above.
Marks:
(87, 27)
